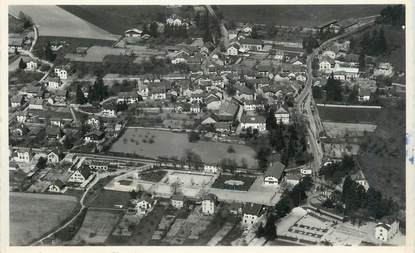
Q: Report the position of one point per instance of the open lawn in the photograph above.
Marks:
(97, 226)
(115, 19)
(55, 21)
(348, 115)
(296, 15)
(168, 144)
(233, 182)
(32, 215)
(109, 199)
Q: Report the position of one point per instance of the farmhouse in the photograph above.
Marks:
(209, 201)
(108, 110)
(360, 178)
(21, 116)
(282, 115)
(233, 49)
(36, 104)
(177, 201)
(293, 178)
(31, 65)
(251, 213)
(24, 155)
(53, 156)
(15, 44)
(251, 44)
(16, 101)
(273, 174)
(81, 175)
(326, 64)
(253, 121)
(53, 132)
(144, 204)
(62, 72)
(57, 186)
(54, 83)
(384, 232)
(95, 136)
(384, 69)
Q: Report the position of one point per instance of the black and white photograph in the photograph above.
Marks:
(207, 125)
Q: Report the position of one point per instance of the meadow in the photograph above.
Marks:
(158, 143)
(33, 215)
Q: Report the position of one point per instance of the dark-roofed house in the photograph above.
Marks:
(251, 213)
(57, 186)
(81, 175)
(53, 132)
(144, 204)
(209, 201)
(53, 156)
(24, 155)
(253, 122)
(274, 174)
(177, 201)
(15, 44)
(16, 101)
(249, 44)
(94, 136)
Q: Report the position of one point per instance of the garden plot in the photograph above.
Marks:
(97, 226)
(55, 21)
(335, 130)
(126, 225)
(190, 228)
(188, 179)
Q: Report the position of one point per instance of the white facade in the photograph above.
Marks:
(232, 50)
(77, 177)
(283, 117)
(325, 65)
(249, 219)
(53, 158)
(330, 54)
(271, 181)
(62, 73)
(177, 203)
(210, 168)
(260, 126)
(384, 232)
(23, 157)
(108, 113)
(31, 65)
(208, 207)
(158, 96)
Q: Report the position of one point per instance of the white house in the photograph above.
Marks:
(293, 179)
(384, 69)
(80, 176)
(58, 186)
(360, 178)
(36, 104)
(53, 157)
(210, 168)
(364, 94)
(209, 204)
(133, 33)
(251, 213)
(21, 116)
(61, 72)
(326, 64)
(31, 65)
(144, 204)
(16, 101)
(24, 155)
(282, 115)
(384, 232)
(233, 49)
(54, 83)
(177, 201)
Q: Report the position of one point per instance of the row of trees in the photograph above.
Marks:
(96, 93)
(374, 44)
(336, 171)
(293, 198)
(358, 202)
(309, 43)
(392, 15)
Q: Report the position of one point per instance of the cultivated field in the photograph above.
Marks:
(169, 144)
(97, 226)
(301, 15)
(335, 130)
(348, 115)
(32, 215)
(55, 21)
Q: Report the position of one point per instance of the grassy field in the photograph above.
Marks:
(96, 227)
(115, 19)
(108, 199)
(296, 15)
(55, 21)
(32, 215)
(382, 155)
(348, 115)
(220, 182)
(70, 45)
(168, 144)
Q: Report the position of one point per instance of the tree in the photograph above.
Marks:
(254, 33)
(333, 89)
(98, 91)
(381, 42)
(80, 97)
(317, 93)
(27, 20)
(230, 90)
(353, 95)
(154, 29)
(22, 64)
(231, 149)
(362, 61)
(270, 121)
(133, 194)
(41, 163)
(260, 232)
(228, 164)
(270, 230)
(193, 136)
(49, 54)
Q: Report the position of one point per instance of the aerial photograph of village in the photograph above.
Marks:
(206, 125)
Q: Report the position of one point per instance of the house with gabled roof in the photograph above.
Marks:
(209, 202)
(253, 121)
(274, 173)
(177, 200)
(282, 115)
(251, 213)
(80, 175)
(57, 186)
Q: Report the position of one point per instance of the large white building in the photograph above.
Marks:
(251, 213)
(209, 204)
